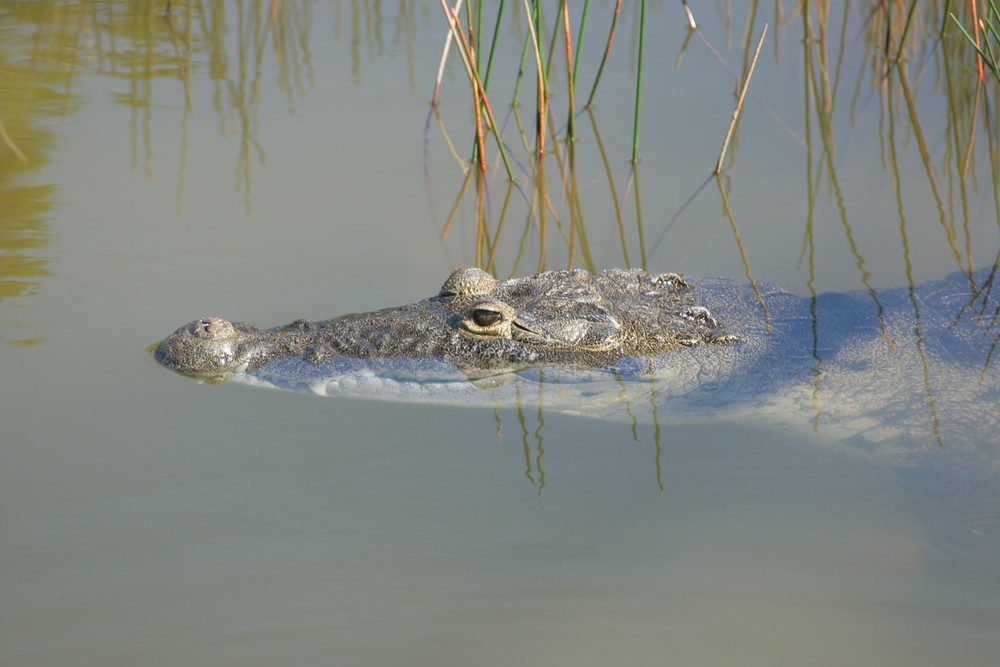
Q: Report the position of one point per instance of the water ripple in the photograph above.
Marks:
(970, 538)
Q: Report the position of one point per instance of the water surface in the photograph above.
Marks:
(270, 162)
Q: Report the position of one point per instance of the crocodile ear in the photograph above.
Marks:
(468, 281)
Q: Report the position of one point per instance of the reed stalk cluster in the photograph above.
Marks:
(540, 163)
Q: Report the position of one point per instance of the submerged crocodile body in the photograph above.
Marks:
(903, 371)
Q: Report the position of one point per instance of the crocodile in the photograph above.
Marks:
(899, 372)
(906, 378)
(476, 324)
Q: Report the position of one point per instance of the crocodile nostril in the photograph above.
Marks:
(212, 328)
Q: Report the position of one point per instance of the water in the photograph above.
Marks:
(148, 520)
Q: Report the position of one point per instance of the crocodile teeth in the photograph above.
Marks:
(318, 388)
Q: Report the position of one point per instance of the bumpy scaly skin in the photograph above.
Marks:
(477, 324)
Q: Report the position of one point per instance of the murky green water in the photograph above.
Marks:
(268, 162)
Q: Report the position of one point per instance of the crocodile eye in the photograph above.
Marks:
(486, 318)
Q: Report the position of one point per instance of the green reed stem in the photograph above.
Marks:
(540, 74)
(471, 42)
(579, 41)
(479, 25)
(987, 56)
(993, 15)
(539, 190)
(944, 18)
(571, 119)
(461, 43)
(493, 44)
(552, 41)
(638, 83)
(990, 28)
(520, 69)
(991, 61)
(607, 51)
(638, 215)
(906, 30)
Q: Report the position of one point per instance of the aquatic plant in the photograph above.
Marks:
(985, 38)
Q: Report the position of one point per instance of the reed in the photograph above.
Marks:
(465, 30)
(739, 102)
(638, 81)
(543, 159)
(985, 38)
(607, 52)
(480, 100)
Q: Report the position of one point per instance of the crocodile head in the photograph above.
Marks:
(475, 324)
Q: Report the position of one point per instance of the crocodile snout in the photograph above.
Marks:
(206, 348)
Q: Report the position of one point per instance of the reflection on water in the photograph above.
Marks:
(33, 99)
(909, 376)
(234, 47)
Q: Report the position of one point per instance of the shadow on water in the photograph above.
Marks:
(909, 377)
